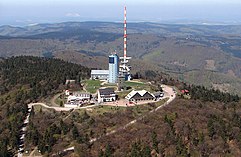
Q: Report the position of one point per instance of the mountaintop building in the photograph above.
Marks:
(113, 68)
(106, 95)
(100, 74)
(141, 95)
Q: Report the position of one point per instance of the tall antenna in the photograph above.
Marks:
(125, 35)
(124, 66)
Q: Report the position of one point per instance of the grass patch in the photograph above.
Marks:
(92, 85)
(138, 85)
(59, 100)
(123, 94)
(109, 85)
(135, 84)
(100, 110)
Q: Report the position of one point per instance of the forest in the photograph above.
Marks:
(183, 128)
(35, 77)
(28, 79)
(206, 125)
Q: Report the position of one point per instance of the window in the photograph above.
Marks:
(111, 60)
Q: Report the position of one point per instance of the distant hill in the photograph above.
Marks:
(111, 27)
(183, 51)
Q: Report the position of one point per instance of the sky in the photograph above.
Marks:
(30, 12)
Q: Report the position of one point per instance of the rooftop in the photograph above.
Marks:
(157, 93)
(141, 92)
(78, 93)
(106, 91)
(99, 72)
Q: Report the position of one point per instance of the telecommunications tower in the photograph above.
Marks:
(125, 68)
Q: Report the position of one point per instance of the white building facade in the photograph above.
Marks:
(106, 95)
(100, 74)
(113, 68)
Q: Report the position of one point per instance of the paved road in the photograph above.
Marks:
(59, 108)
(167, 89)
(170, 94)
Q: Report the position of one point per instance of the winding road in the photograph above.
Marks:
(58, 108)
(169, 93)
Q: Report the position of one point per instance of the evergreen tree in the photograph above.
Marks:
(75, 132)
(154, 141)
(136, 149)
(146, 151)
(108, 151)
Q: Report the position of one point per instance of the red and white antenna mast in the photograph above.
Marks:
(125, 35)
(124, 67)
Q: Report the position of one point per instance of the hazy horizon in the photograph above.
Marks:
(26, 12)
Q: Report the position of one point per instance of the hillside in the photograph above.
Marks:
(205, 125)
(24, 80)
(184, 128)
(182, 51)
(111, 27)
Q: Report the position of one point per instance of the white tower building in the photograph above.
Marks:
(113, 68)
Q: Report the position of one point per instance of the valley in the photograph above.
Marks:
(211, 53)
